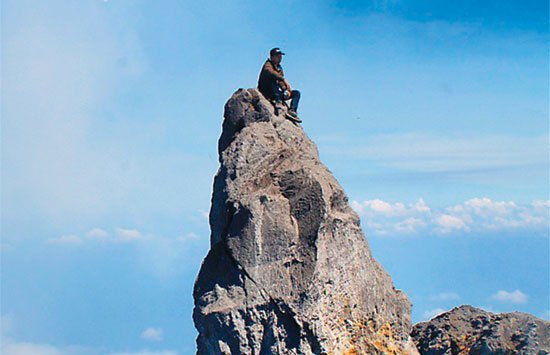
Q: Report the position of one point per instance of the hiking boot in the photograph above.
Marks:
(293, 116)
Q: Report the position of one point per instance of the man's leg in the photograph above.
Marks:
(274, 91)
(295, 96)
(275, 96)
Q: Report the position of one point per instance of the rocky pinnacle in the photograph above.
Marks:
(289, 270)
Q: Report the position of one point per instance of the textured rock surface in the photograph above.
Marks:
(470, 330)
(289, 270)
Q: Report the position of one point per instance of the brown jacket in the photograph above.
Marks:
(270, 73)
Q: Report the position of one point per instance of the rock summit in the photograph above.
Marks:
(289, 269)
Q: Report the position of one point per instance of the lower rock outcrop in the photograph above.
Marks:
(470, 330)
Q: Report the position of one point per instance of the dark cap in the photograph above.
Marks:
(274, 51)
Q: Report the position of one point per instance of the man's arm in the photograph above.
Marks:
(287, 84)
(269, 68)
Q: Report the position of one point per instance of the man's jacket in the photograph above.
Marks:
(269, 75)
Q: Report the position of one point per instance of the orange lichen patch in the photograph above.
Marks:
(353, 333)
(386, 330)
(366, 338)
(386, 339)
(463, 344)
(350, 351)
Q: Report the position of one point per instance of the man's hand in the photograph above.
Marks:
(288, 86)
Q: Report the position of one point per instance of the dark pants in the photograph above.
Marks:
(275, 93)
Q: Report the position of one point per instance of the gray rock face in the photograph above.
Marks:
(289, 270)
(470, 330)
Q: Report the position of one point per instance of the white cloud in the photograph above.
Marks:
(70, 239)
(515, 296)
(446, 223)
(541, 205)
(127, 235)
(445, 296)
(421, 206)
(409, 225)
(152, 334)
(386, 217)
(98, 234)
(474, 215)
(380, 207)
(484, 213)
(429, 314)
(485, 206)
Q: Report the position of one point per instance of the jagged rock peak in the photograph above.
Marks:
(289, 270)
(469, 330)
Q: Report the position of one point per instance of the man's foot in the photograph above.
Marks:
(293, 116)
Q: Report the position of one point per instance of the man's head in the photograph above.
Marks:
(276, 55)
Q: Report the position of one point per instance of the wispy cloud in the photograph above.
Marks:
(53, 82)
(121, 235)
(129, 234)
(74, 151)
(11, 346)
(152, 334)
(474, 215)
(430, 153)
(516, 296)
(429, 314)
(98, 234)
(164, 257)
(70, 239)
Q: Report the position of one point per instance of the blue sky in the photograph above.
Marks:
(432, 115)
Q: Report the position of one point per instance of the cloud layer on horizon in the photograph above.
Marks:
(474, 215)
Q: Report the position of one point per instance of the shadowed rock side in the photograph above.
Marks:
(289, 270)
(470, 330)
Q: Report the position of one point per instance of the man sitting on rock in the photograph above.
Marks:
(273, 85)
